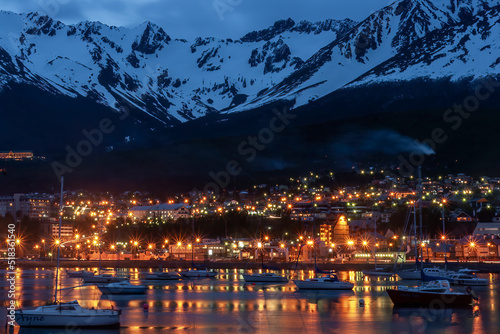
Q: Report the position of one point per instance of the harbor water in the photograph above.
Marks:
(227, 304)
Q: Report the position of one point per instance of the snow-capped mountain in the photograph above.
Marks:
(175, 80)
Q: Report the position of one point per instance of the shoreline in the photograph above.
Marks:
(235, 264)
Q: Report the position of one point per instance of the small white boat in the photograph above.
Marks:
(173, 276)
(264, 277)
(416, 274)
(433, 293)
(327, 282)
(465, 279)
(67, 314)
(103, 278)
(377, 272)
(199, 272)
(79, 273)
(122, 288)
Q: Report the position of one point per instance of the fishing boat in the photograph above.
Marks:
(122, 288)
(64, 314)
(264, 278)
(466, 279)
(163, 276)
(327, 282)
(432, 294)
(103, 278)
(79, 273)
(198, 272)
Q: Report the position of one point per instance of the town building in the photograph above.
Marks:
(34, 206)
(162, 211)
(16, 155)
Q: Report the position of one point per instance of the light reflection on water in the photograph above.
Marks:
(228, 304)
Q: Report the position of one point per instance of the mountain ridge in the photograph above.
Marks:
(174, 80)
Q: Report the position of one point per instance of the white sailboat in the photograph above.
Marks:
(326, 282)
(199, 272)
(122, 288)
(415, 273)
(64, 314)
(377, 272)
(264, 277)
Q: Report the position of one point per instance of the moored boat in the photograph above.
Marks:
(433, 294)
(163, 276)
(67, 314)
(416, 274)
(264, 277)
(79, 273)
(103, 278)
(199, 272)
(327, 282)
(469, 280)
(377, 272)
(122, 288)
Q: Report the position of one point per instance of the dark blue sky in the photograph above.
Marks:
(191, 18)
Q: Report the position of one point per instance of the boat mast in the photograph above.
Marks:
(375, 248)
(99, 246)
(415, 231)
(59, 237)
(420, 210)
(444, 236)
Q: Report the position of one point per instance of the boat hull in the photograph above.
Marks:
(306, 285)
(264, 279)
(160, 277)
(470, 282)
(428, 299)
(104, 319)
